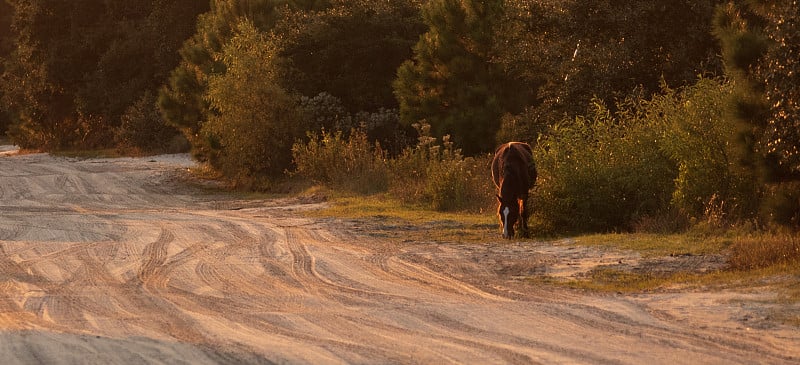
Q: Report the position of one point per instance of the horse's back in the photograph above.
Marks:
(518, 153)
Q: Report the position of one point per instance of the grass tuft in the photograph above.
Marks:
(765, 250)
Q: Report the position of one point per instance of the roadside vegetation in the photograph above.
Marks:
(685, 142)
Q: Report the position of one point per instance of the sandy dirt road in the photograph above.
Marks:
(116, 261)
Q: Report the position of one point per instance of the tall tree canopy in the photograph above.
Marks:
(451, 82)
(78, 65)
(576, 51)
(6, 46)
(761, 46)
(480, 60)
(181, 101)
(351, 50)
(345, 49)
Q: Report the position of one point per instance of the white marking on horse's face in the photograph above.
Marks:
(506, 211)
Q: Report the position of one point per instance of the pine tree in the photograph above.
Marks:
(77, 66)
(182, 101)
(6, 46)
(47, 67)
(761, 47)
(451, 82)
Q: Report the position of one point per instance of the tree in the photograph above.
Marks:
(345, 49)
(139, 55)
(350, 50)
(254, 121)
(182, 101)
(6, 46)
(6, 38)
(51, 58)
(572, 52)
(761, 47)
(78, 65)
(451, 82)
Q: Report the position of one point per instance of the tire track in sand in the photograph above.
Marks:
(146, 258)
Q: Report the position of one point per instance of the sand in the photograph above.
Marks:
(120, 261)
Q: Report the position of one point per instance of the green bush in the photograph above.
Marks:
(427, 174)
(327, 111)
(439, 177)
(353, 164)
(697, 139)
(663, 158)
(255, 121)
(454, 182)
(601, 172)
(143, 128)
(409, 170)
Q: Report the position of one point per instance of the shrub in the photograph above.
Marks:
(782, 204)
(453, 182)
(526, 126)
(327, 111)
(352, 164)
(601, 172)
(143, 128)
(384, 125)
(409, 170)
(663, 158)
(696, 138)
(439, 177)
(255, 121)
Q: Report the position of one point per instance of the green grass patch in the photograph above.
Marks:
(650, 244)
(621, 281)
(384, 214)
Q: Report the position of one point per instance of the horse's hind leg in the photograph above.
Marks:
(524, 217)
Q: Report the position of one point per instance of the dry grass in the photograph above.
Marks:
(621, 281)
(765, 250)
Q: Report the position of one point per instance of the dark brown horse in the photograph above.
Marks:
(514, 173)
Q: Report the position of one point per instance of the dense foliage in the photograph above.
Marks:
(77, 66)
(6, 46)
(431, 173)
(652, 164)
(761, 46)
(451, 83)
(635, 124)
(254, 121)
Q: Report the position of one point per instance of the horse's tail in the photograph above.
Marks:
(497, 164)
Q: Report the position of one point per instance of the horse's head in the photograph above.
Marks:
(508, 212)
